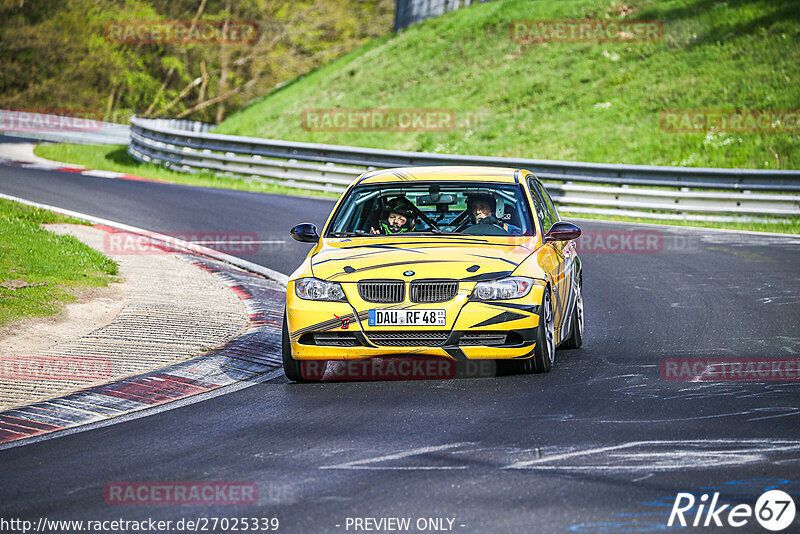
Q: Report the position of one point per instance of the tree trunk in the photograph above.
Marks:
(224, 57)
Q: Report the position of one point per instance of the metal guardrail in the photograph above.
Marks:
(408, 12)
(187, 146)
(62, 129)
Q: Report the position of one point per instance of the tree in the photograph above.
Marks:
(60, 56)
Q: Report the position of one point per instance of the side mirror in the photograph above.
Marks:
(305, 233)
(562, 231)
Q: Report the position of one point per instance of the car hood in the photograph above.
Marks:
(459, 257)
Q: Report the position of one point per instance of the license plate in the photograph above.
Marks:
(407, 318)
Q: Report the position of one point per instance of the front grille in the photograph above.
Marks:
(408, 339)
(433, 290)
(384, 291)
(483, 338)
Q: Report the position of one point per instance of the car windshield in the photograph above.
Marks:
(471, 208)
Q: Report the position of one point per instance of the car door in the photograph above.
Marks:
(561, 252)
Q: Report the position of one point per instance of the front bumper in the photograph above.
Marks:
(316, 326)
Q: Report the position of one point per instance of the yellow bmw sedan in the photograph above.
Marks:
(459, 263)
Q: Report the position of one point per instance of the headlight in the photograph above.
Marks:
(513, 287)
(316, 289)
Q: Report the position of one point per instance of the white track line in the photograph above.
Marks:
(360, 464)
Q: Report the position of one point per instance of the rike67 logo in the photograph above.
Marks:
(774, 510)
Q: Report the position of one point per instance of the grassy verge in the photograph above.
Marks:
(41, 271)
(585, 101)
(116, 158)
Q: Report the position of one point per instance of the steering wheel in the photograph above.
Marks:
(487, 226)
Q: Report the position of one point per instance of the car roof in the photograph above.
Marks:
(440, 173)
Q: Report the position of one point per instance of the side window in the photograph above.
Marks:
(542, 212)
(551, 207)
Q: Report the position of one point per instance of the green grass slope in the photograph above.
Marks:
(572, 101)
(39, 270)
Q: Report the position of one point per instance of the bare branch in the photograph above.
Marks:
(160, 92)
(216, 99)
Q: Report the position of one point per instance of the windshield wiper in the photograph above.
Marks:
(357, 233)
(342, 234)
(432, 231)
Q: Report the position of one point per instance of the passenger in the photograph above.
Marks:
(482, 209)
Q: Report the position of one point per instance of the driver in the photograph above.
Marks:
(399, 217)
(482, 209)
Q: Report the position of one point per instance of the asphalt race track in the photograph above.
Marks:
(603, 443)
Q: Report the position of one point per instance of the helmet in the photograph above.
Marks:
(400, 206)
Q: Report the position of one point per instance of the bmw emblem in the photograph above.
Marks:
(408, 273)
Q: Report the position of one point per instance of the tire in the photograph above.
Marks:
(545, 351)
(291, 367)
(575, 339)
